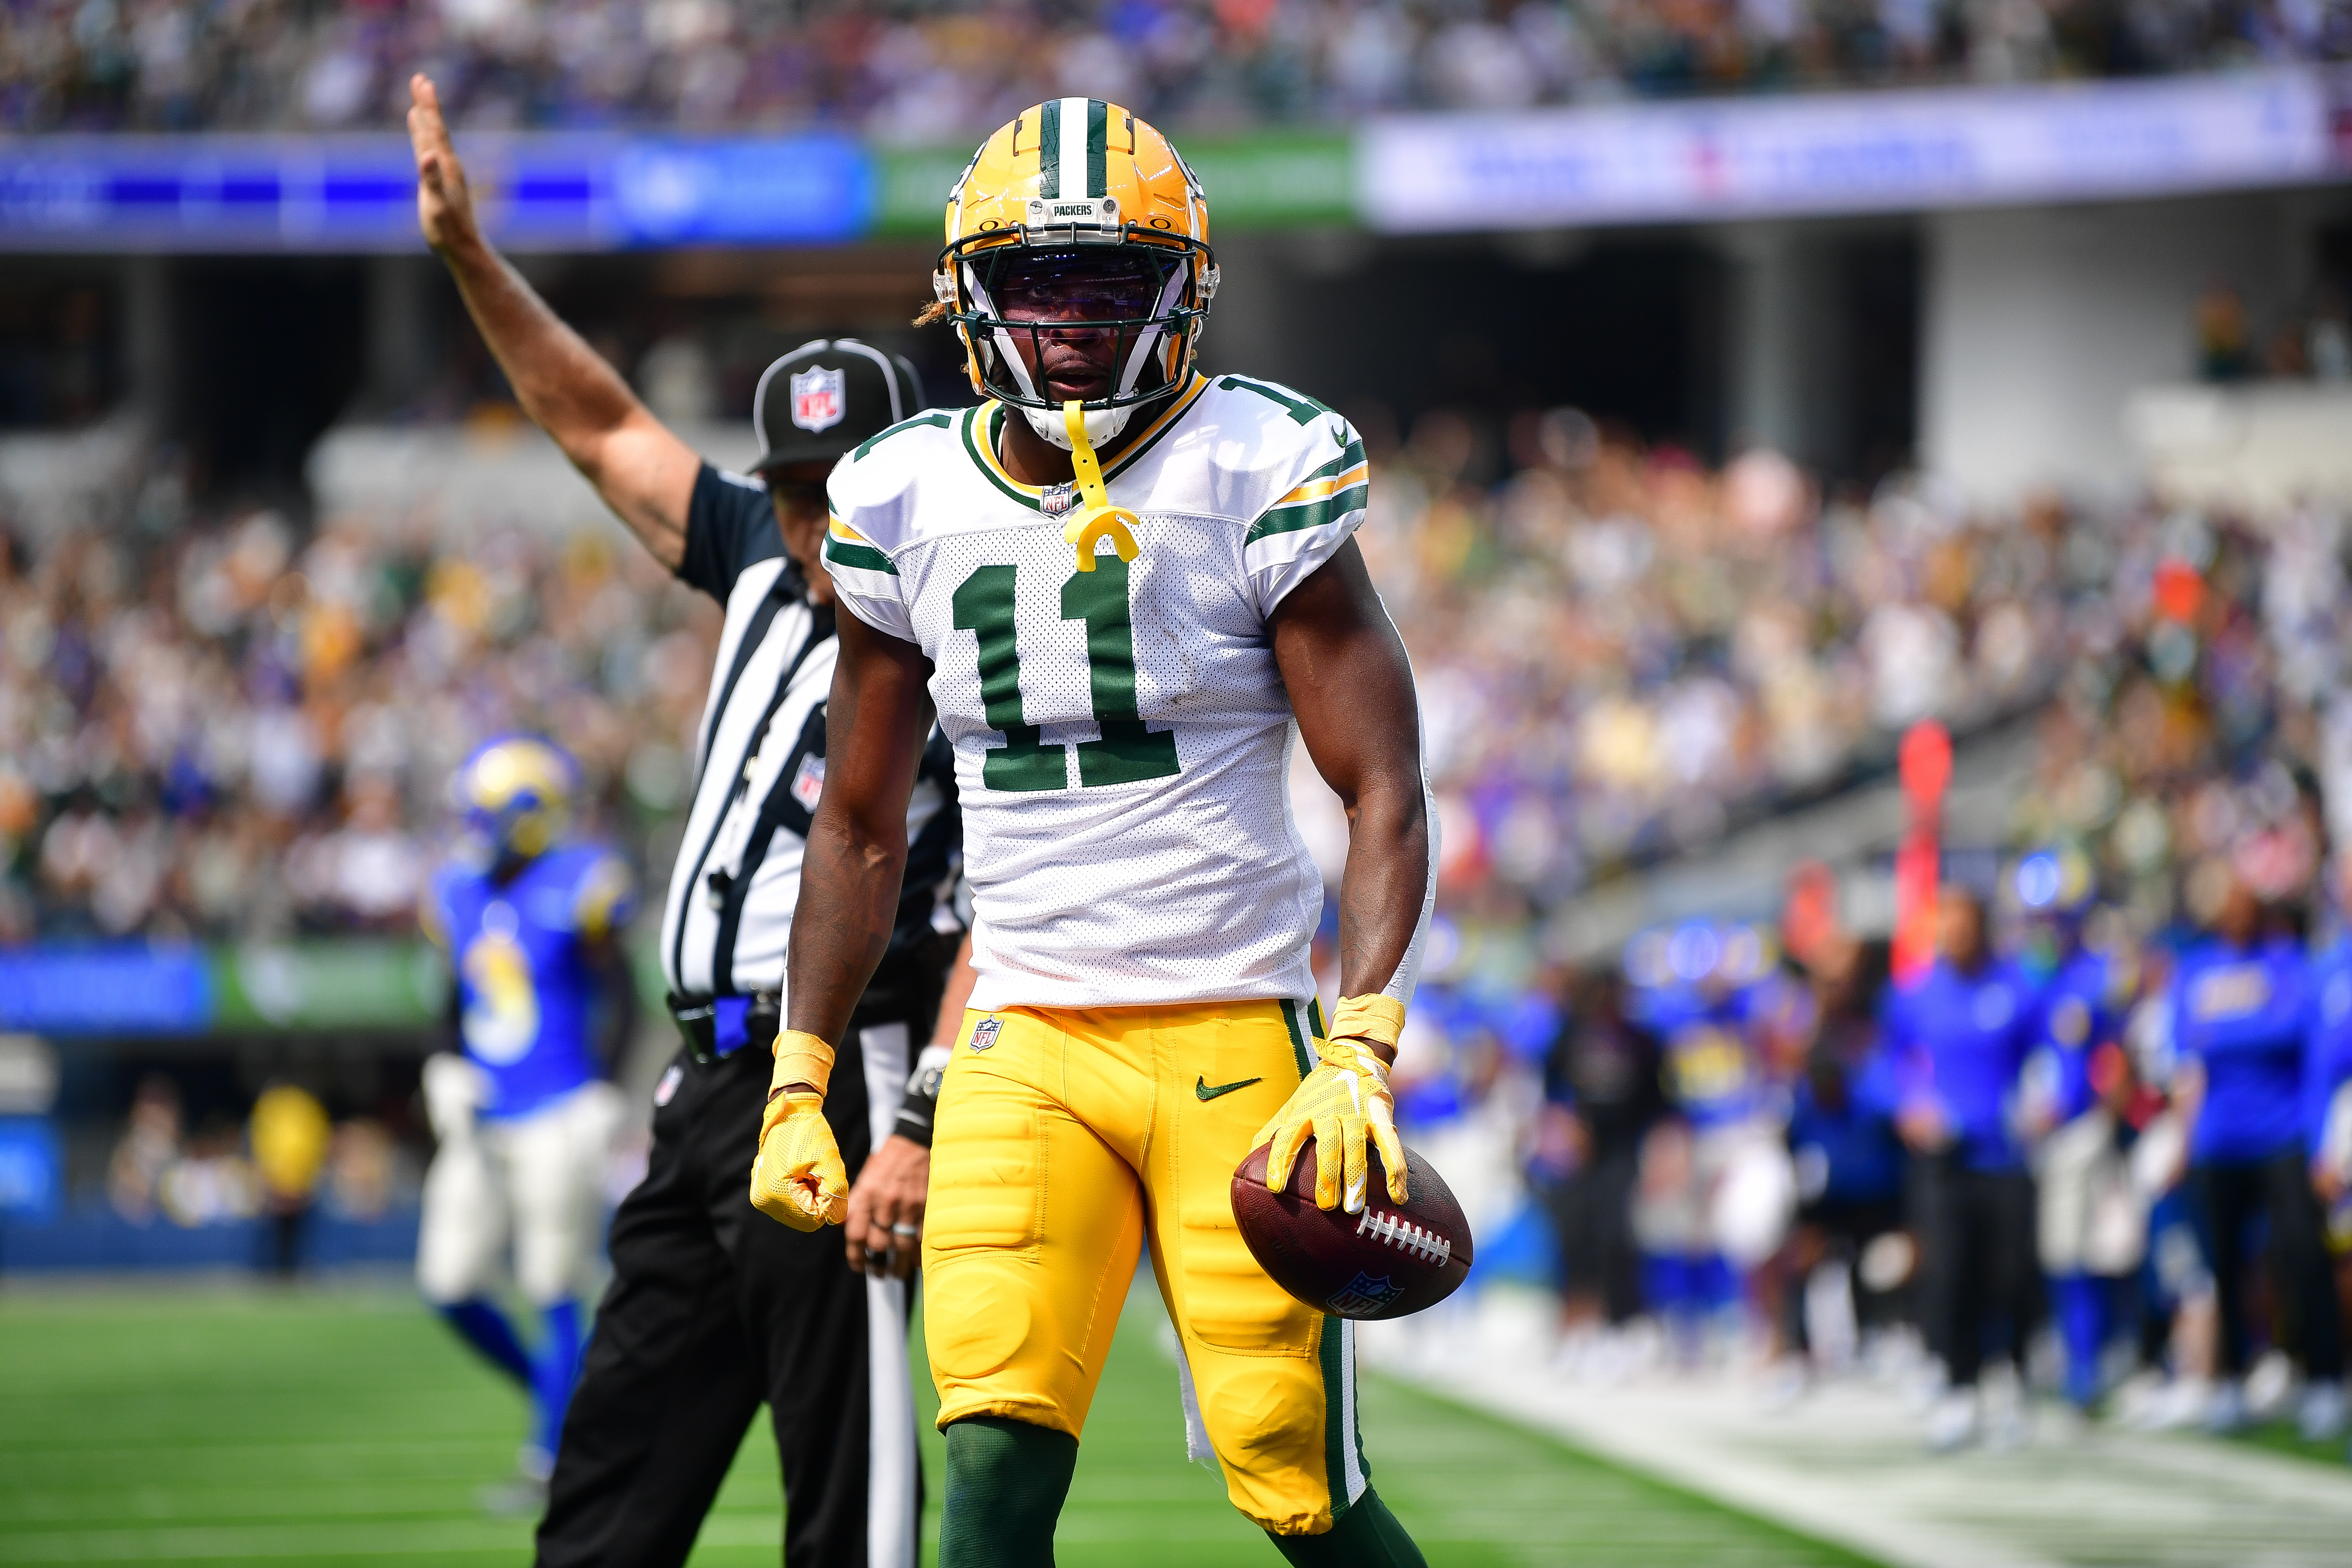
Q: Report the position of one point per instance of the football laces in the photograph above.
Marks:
(1395, 1230)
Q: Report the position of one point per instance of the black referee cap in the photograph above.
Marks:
(827, 396)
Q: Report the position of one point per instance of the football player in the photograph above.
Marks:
(523, 1117)
(2076, 1065)
(1118, 582)
(2241, 1009)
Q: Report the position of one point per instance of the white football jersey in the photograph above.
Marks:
(1122, 736)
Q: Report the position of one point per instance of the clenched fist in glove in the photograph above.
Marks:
(1342, 1104)
(798, 1177)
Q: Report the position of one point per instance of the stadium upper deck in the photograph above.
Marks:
(943, 70)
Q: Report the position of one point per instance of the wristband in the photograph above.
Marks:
(1375, 1017)
(801, 1058)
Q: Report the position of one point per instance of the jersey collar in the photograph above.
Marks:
(981, 427)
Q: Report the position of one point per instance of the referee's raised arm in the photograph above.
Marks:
(643, 470)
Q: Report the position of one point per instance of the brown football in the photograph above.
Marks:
(1388, 1261)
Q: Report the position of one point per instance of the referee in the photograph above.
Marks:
(713, 1306)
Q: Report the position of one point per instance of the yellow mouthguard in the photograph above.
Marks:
(1091, 523)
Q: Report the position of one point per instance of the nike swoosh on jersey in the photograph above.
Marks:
(1201, 1087)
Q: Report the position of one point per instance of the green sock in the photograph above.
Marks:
(1367, 1536)
(1006, 1482)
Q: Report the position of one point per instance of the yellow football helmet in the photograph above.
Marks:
(1076, 217)
(516, 792)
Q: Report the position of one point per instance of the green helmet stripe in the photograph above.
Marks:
(1098, 148)
(1049, 150)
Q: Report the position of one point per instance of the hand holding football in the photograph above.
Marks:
(1389, 1260)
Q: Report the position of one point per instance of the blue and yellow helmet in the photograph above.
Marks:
(517, 792)
(2058, 880)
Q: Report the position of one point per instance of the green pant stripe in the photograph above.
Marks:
(1298, 1041)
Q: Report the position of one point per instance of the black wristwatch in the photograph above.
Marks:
(922, 1099)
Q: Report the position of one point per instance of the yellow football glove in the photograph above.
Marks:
(797, 1177)
(1342, 1104)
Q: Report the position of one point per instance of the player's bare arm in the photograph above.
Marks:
(1351, 688)
(875, 723)
(644, 473)
(1350, 685)
(878, 717)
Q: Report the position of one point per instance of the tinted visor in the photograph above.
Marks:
(1088, 283)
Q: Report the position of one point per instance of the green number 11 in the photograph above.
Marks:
(1128, 752)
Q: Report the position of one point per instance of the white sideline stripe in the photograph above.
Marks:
(891, 1522)
(1848, 1466)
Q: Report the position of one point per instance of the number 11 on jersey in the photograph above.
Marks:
(1126, 753)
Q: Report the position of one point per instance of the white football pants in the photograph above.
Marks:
(536, 1180)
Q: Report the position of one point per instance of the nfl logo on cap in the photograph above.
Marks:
(819, 398)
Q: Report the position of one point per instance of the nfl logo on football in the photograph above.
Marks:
(820, 398)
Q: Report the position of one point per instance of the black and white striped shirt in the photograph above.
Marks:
(760, 765)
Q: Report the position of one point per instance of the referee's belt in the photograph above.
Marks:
(716, 1028)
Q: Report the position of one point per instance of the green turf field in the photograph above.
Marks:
(182, 1424)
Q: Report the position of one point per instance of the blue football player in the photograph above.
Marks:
(2240, 1014)
(524, 1118)
(2076, 1064)
(1958, 1034)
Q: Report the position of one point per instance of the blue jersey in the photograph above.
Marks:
(2080, 1012)
(2327, 1059)
(1840, 1126)
(1711, 1073)
(1961, 1041)
(527, 986)
(2242, 1013)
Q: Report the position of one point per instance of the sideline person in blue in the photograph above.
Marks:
(2077, 1061)
(2240, 1007)
(523, 1117)
(1960, 1035)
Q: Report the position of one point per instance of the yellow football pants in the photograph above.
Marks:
(1066, 1140)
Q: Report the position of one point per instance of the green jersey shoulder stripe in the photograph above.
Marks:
(935, 420)
(1307, 514)
(857, 557)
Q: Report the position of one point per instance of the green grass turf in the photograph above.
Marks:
(175, 1425)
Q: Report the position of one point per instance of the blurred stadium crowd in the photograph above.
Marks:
(230, 732)
(235, 732)
(923, 70)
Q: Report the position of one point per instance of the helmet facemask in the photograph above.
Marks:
(1121, 318)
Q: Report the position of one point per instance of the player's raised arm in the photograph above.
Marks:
(1350, 685)
(644, 473)
(875, 723)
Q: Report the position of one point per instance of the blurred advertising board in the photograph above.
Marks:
(561, 192)
(539, 192)
(127, 990)
(1855, 151)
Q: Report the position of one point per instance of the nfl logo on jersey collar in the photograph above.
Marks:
(820, 398)
(1055, 499)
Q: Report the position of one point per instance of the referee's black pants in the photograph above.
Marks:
(713, 1307)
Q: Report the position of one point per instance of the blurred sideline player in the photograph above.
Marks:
(1959, 1032)
(1122, 725)
(524, 1118)
(2091, 1224)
